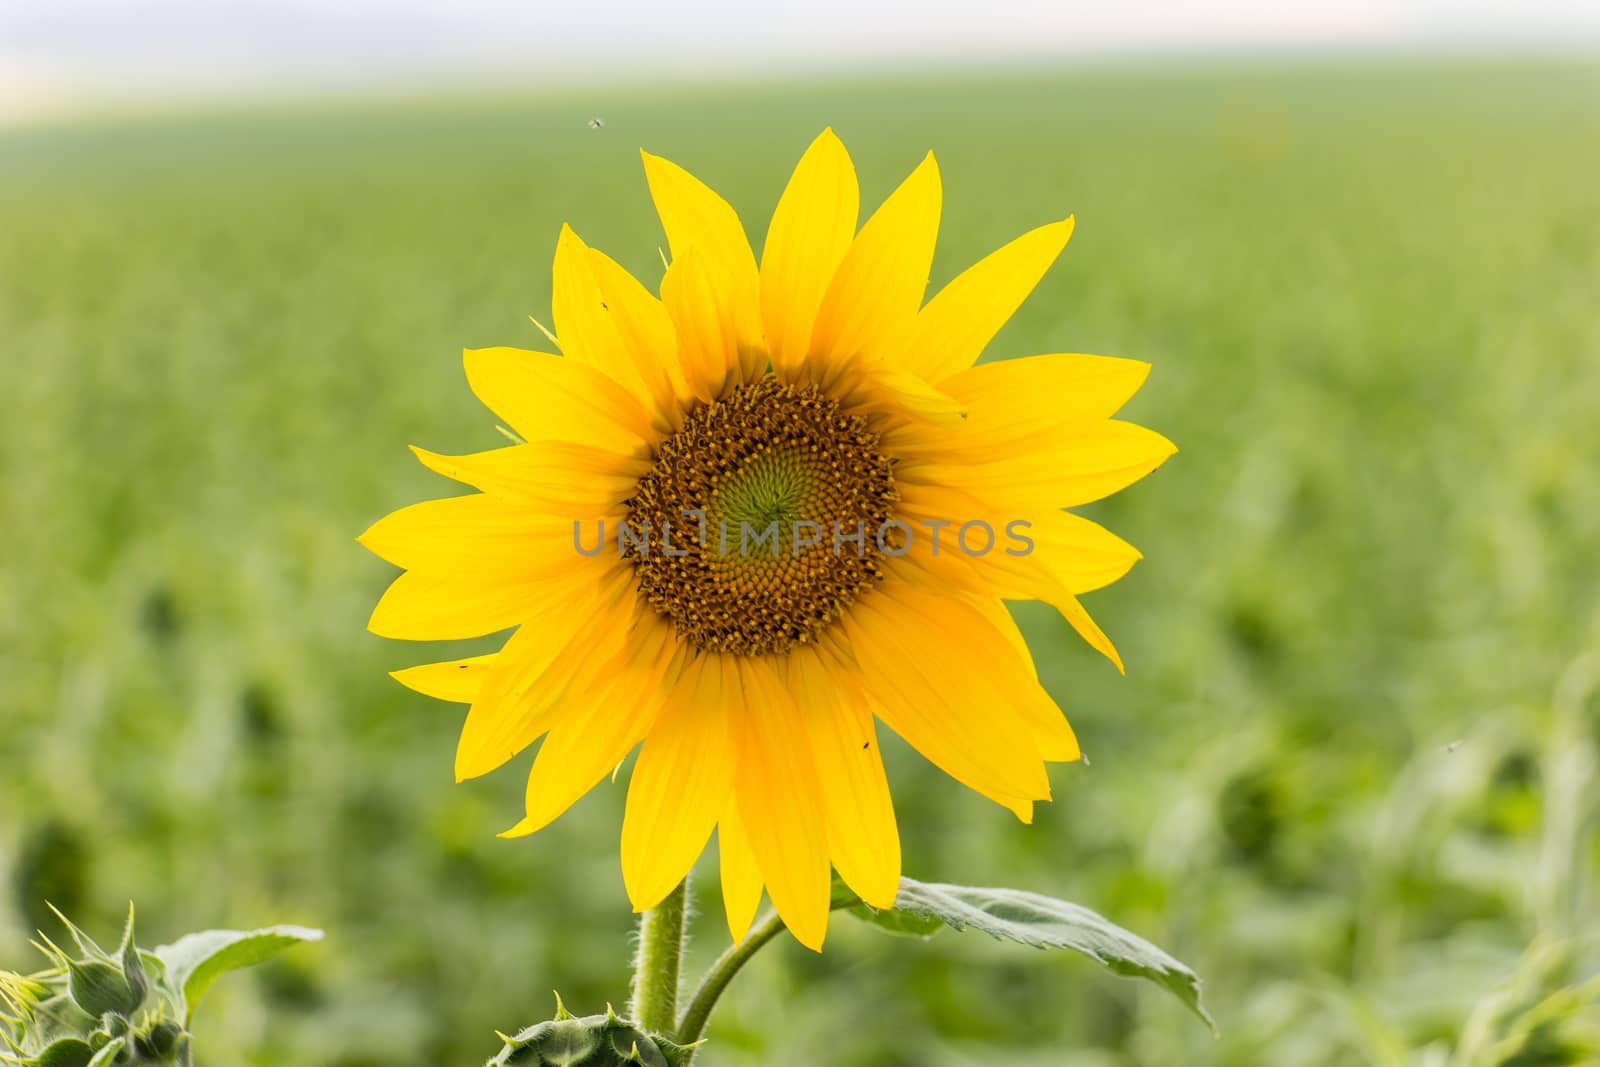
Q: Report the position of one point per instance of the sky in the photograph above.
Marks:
(62, 55)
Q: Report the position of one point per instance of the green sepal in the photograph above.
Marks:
(86, 944)
(133, 971)
(109, 1053)
(57, 1016)
(99, 986)
(633, 1046)
(567, 1043)
(67, 1052)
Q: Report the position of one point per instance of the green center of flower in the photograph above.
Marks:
(759, 523)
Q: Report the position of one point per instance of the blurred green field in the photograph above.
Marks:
(1350, 777)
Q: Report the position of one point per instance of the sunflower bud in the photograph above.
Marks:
(163, 1039)
(101, 988)
(592, 1041)
(98, 1009)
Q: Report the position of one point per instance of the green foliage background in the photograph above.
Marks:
(1350, 777)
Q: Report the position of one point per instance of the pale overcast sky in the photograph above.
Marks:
(63, 53)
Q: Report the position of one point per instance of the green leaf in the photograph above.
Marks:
(904, 923)
(841, 895)
(896, 922)
(194, 962)
(1042, 922)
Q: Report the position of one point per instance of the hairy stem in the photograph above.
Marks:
(657, 967)
(721, 973)
(716, 979)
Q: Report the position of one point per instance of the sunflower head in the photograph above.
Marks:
(754, 512)
(757, 483)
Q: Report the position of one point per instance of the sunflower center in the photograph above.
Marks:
(761, 520)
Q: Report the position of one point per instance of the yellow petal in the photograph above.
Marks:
(778, 794)
(545, 397)
(521, 694)
(420, 607)
(1047, 582)
(933, 557)
(741, 878)
(888, 390)
(695, 217)
(680, 786)
(927, 685)
(1054, 735)
(597, 729)
(1044, 584)
(456, 680)
(584, 323)
(862, 838)
(1017, 405)
(1046, 573)
(878, 287)
(1049, 546)
(952, 331)
(810, 233)
(1079, 554)
(1087, 628)
(1062, 473)
(645, 329)
(564, 478)
(696, 298)
(476, 534)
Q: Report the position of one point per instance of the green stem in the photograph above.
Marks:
(657, 967)
(721, 973)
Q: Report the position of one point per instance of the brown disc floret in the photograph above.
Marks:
(759, 523)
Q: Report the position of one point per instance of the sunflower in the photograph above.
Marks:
(746, 521)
